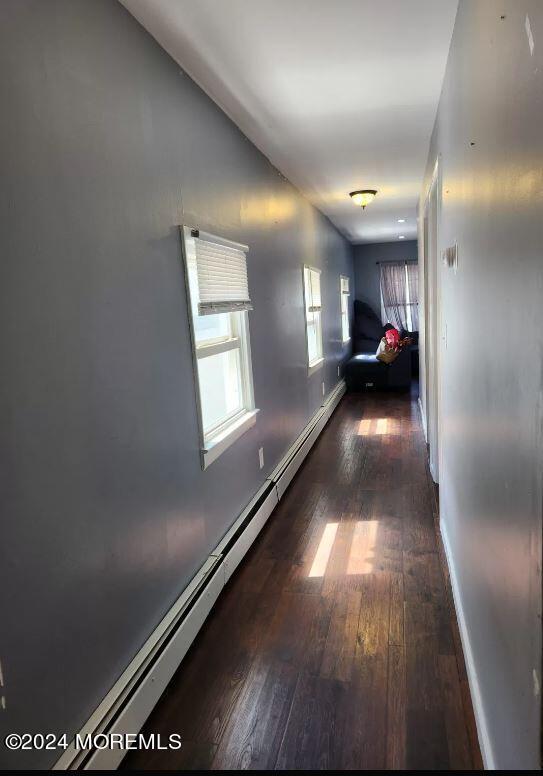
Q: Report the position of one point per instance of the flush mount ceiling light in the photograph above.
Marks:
(401, 220)
(401, 237)
(363, 197)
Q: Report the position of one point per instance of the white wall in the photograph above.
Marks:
(490, 145)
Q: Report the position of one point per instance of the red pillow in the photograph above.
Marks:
(393, 338)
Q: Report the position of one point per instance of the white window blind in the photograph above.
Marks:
(313, 301)
(222, 275)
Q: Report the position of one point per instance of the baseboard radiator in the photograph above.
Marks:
(130, 701)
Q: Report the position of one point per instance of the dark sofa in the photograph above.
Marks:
(364, 370)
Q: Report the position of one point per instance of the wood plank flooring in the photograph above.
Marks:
(335, 645)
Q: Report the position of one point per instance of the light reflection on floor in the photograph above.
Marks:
(324, 550)
(363, 547)
(382, 426)
(364, 427)
(375, 426)
(361, 552)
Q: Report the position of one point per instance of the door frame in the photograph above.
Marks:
(432, 319)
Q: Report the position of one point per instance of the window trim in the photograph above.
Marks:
(316, 364)
(208, 348)
(222, 441)
(224, 433)
(348, 295)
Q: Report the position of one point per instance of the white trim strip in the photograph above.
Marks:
(473, 681)
(315, 366)
(223, 441)
(213, 349)
(422, 420)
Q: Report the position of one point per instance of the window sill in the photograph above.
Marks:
(218, 444)
(345, 341)
(315, 366)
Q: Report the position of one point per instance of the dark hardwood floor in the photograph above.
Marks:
(335, 645)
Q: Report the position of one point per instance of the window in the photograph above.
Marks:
(216, 272)
(399, 294)
(313, 312)
(344, 302)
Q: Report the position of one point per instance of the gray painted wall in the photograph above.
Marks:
(366, 269)
(492, 385)
(106, 147)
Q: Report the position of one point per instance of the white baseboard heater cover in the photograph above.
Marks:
(130, 701)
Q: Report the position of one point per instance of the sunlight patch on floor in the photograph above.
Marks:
(361, 551)
(364, 427)
(324, 550)
(382, 426)
(374, 426)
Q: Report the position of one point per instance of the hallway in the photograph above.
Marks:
(221, 520)
(335, 645)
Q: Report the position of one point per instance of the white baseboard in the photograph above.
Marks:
(476, 697)
(423, 420)
(132, 698)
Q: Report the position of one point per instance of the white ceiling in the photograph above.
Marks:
(338, 94)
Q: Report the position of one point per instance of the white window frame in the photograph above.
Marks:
(344, 309)
(312, 364)
(219, 437)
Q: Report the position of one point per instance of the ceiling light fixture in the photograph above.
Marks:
(363, 197)
(401, 220)
(401, 237)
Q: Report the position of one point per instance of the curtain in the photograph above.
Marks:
(400, 294)
(413, 288)
(393, 291)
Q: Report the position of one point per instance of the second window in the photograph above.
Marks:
(313, 316)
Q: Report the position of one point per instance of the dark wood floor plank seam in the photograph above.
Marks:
(335, 644)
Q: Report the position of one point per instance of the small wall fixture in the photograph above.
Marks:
(363, 197)
(450, 257)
